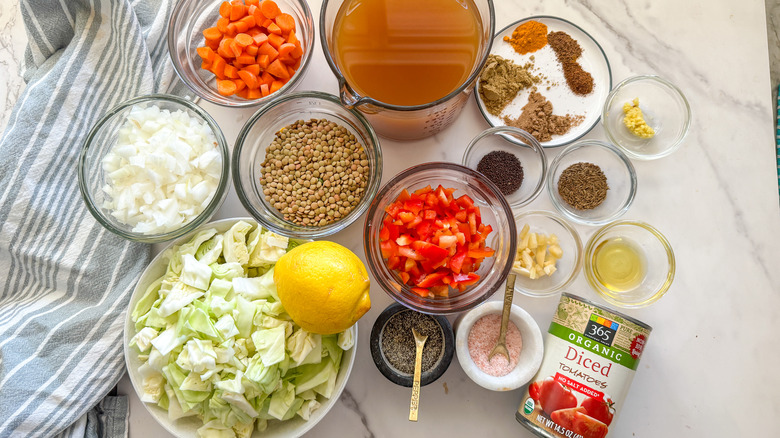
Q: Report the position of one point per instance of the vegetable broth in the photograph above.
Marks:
(407, 52)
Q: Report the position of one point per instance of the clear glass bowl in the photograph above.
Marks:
(185, 34)
(621, 178)
(567, 267)
(520, 144)
(102, 138)
(655, 254)
(664, 108)
(495, 211)
(258, 133)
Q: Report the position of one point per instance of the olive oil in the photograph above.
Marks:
(407, 52)
(619, 264)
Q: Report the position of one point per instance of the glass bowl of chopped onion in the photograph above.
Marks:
(647, 117)
(226, 56)
(305, 166)
(591, 182)
(549, 253)
(154, 168)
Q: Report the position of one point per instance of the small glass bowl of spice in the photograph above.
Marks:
(629, 263)
(549, 253)
(476, 333)
(305, 166)
(393, 348)
(591, 182)
(512, 159)
(646, 116)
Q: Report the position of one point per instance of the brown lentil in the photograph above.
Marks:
(315, 172)
(583, 186)
(398, 344)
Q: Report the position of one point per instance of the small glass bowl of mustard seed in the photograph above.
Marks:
(512, 159)
(591, 182)
(306, 166)
(647, 117)
(393, 348)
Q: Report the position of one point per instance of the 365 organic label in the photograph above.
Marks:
(591, 356)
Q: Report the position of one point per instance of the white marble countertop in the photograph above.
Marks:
(709, 368)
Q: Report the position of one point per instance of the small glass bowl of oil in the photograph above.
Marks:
(629, 263)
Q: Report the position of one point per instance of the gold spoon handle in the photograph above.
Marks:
(415, 403)
(508, 295)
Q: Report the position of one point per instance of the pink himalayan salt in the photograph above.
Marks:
(483, 337)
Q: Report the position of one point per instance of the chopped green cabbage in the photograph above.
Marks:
(216, 342)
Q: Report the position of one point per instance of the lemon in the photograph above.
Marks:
(323, 286)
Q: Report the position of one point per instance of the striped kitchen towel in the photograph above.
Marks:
(66, 281)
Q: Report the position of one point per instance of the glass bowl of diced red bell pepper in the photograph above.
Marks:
(440, 238)
(241, 53)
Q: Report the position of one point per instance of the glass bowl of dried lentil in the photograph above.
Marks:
(512, 159)
(591, 182)
(305, 166)
(494, 210)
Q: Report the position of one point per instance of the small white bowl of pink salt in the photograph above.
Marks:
(476, 333)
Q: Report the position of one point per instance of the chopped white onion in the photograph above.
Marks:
(163, 170)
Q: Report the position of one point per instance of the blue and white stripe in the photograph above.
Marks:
(66, 281)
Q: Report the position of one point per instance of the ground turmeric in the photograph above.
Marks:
(528, 37)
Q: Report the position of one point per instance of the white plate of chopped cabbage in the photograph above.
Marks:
(210, 350)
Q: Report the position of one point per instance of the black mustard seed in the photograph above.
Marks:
(397, 341)
(504, 169)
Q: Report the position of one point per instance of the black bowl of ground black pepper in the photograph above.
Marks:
(512, 159)
(393, 346)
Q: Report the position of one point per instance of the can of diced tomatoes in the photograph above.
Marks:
(591, 355)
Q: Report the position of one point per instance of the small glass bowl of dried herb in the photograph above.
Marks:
(305, 166)
(512, 159)
(393, 347)
(591, 182)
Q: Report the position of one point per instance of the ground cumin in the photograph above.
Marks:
(528, 37)
(538, 119)
(568, 50)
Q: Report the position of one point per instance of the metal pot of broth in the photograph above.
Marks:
(409, 65)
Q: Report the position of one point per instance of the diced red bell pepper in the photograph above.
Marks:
(430, 251)
(403, 196)
(447, 241)
(404, 240)
(408, 216)
(389, 248)
(481, 253)
(425, 293)
(404, 277)
(456, 262)
(432, 279)
(465, 202)
(405, 251)
(413, 205)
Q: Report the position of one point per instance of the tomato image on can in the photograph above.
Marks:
(591, 356)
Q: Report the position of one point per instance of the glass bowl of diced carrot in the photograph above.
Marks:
(241, 53)
(440, 238)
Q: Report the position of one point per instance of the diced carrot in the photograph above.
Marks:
(255, 3)
(253, 68)
(249, 21)
(236, 49)
(205, 65)
(297, 64)
(240, 84)
(297, 52)
(264, 89)
(260, 39)
(275, 40)
(205, 53)
(231, 30)
(251, 49)
(263, 61)
(224, 48)
(226, 87)
(274, 29)
(269, 8)
(276, 85)
(218, 67)
(240, 26)
(290, 70)
(213, 45)
(266, 78)
(285, 49)
(286, 60)
(237, 11)
(212, 33)
(259, 17)
(292, 38)
(267, 22)
(254, 93)
(224, 9)
(286, 22)
(243, 93)
(267, 49)
(244, 39)
(278, 69)
(237, 65)
(231, 71)
(222, 24)
(249, 78)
